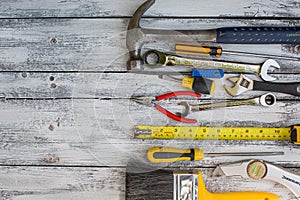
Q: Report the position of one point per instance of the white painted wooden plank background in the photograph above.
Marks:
(162, 8)
(21, 182)
(28, 44)
(66, 120)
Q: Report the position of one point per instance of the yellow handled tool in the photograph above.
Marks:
(197, 187)
(169, 154)
(199, 84)
(198, 49)
(205, 50)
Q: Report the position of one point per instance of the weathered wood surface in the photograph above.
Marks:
(23, 182)
(162, 8)
(109, 85)
(66, 119)
(99, 132)
(72, 45)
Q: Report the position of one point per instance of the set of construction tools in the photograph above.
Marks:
(204, 64)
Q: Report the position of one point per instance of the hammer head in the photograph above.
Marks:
(135, 33)
(138, 36)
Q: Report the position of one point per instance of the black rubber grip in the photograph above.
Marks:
(171, 155)
(294, 134)
(287, 88)
(202, 85)
(259, 35)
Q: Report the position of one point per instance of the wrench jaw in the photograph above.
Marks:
(186, 109)
(265, 67)
(241, 85)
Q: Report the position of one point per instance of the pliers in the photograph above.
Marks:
(151, 101)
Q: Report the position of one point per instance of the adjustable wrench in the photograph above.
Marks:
(259, 169)
(266, 100)
(155, 58)
(243, 83)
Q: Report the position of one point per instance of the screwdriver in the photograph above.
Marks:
(206, 50)
(169, 154)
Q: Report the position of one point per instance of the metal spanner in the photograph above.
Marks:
(154, 58)
(259, 169)
(243, 84)
(266, 100)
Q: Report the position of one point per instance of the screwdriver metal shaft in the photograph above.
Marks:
(244, 154)
(206, 50)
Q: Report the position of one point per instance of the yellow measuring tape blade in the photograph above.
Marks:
(211, 133)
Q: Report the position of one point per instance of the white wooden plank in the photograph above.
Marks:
(99, 44)
(90, 123)
(94, 132)
(88, 8)
(110, 85)
(20, 183)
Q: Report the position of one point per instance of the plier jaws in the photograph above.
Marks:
(147, 101)
(152, 101)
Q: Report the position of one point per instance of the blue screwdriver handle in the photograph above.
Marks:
(208, 73)
(259, 35)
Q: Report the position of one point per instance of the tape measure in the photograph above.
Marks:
(218, 133)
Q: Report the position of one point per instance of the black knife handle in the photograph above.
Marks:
(287, 88)
(259, 35)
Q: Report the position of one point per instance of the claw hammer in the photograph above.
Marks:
(137, 36)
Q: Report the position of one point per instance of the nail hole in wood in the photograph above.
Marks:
(24, 74)
(51, 158)
(51, 127)
(53, 40)
(53, 85)
(58, 122)
(51, 78)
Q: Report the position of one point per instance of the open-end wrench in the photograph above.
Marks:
(266, 100)
(243, 84)
(155, 58)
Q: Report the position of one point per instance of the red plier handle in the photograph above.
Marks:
(170, 114)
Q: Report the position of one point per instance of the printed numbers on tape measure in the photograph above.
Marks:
(220, 133)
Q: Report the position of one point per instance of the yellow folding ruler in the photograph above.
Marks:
(218, 133)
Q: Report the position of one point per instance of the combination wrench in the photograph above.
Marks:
(266, 100)
(154, 58)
